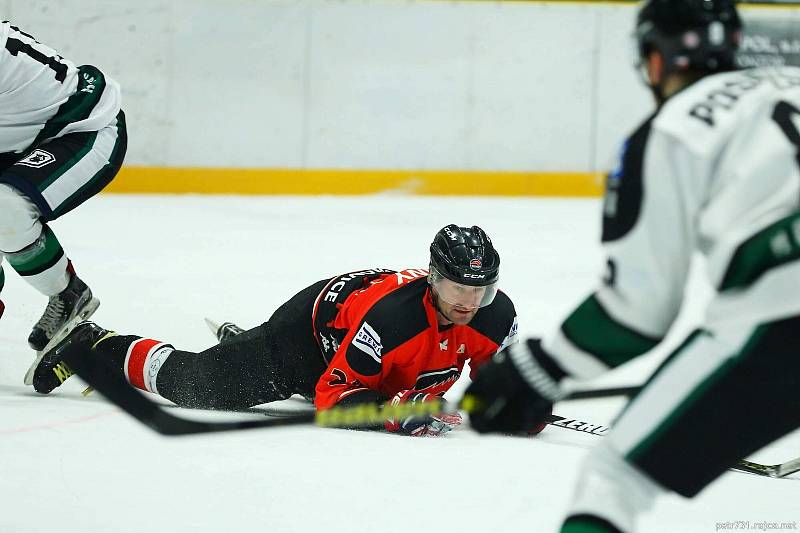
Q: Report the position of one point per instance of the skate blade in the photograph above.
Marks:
(87, 312)
(213, 326)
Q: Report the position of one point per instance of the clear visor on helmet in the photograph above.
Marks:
(460, 295)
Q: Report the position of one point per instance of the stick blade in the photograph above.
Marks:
(788, 468)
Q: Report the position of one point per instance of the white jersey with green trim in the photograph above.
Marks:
(39, 88)
(715, 170)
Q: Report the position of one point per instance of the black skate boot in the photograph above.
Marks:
(63, 312)
(224, 332)
(52, 371)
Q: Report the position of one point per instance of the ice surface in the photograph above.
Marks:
(161, 264)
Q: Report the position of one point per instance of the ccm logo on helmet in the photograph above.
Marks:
(475, 276)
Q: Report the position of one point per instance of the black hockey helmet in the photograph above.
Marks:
(698, 35)
(467, 258)
(465, 255)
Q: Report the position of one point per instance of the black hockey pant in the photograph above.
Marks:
(265, 364)
(716, 399)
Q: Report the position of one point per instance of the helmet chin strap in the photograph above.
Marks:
(658, 94)
(656, 89)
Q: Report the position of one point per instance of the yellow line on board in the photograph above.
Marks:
(349, 182)
(623, 3)
(631, 3)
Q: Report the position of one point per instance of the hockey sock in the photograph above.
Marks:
(178, 376)
(143, 360)
(137, 358)
(611, 494)
(114, 348)
(42, 264)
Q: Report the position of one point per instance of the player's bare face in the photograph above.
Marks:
(458, 303)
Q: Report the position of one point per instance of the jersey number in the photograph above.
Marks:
(610, 275)
(783, 113)
(15, 46)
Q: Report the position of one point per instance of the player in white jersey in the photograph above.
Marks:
(715, 169)
(62, 139)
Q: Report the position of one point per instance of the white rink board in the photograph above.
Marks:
(386, 84)
(364, 84)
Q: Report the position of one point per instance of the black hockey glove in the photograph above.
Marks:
(515, 391)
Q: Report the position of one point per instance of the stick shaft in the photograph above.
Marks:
(99, 374)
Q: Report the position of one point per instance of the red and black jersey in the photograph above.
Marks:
(378, 333)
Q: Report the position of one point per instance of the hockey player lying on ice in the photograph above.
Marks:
(371, 336)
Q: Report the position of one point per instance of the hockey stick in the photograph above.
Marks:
(99, 373)
(775, 471)
(603, 393)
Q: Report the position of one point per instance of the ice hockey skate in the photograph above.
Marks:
(224, 331)
(63, 312)
(52, 371)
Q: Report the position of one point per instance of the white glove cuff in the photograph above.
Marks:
(533, 373)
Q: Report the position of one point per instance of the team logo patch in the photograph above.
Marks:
(37, 159)
(511, 338)
(436, 378)
(475, 264)
(368, 341)
(338, 378)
